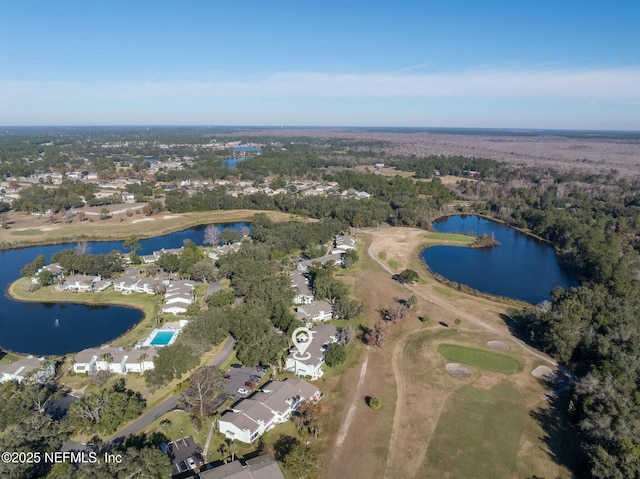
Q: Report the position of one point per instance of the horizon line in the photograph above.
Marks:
(318, 127)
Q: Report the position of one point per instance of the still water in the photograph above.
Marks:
(32, 327)
(521, 267)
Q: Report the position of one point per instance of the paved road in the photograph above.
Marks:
(171, 403)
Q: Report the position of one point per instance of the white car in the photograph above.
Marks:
(243, 391)
(191, 462)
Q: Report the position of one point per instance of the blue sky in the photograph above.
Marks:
(543, 64)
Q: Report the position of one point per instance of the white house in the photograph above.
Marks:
(316, 311)
(300, 285)
(150, 285)
(250, 418)
(345, 242)
(178, 297)
(35, 368)
(114, 360)
(125, 284)
(80, 282)
(54, 268)
(322, 336)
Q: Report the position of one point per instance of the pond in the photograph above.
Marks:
(231, 163)
(521, 267)
(61, 328)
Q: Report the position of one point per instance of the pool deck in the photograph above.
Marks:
(148, 342)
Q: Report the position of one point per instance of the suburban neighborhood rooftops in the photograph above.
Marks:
(261, 467)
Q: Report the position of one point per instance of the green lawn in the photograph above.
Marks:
(442, 290)
(8, 358)
(478, 434)
(449, 237)
(26, 233)
(479, 358)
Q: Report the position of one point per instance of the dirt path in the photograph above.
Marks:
(463, 314)
(355, 399)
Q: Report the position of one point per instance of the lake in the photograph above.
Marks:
(31, 327)
(521, 267)
(231, 163)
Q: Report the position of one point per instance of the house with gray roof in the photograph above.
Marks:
(300, 284)
(36, 369)
(261, 467)
(316, 311)
(310, 365)
(274, 404)
(114, 360)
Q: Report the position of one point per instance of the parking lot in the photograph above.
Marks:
(238, 378)
(179, 451)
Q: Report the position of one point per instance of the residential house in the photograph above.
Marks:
(114, 360)
(310, 364)
(300, 285)
(81, 283)
(151, 285)
(125, 284)
(178, 297)
(54, 268)
(36, 369)
(260, 467)
(316, 311)
(344, 242)
(274, 404)
(219, 251)
(336, 256)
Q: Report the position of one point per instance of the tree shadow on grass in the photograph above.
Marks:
(560, 434)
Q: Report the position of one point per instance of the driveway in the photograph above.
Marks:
(171, 403)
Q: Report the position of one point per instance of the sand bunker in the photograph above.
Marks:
(143, 219)
(170, 217)
(458, 370)
(544, 373)
(499, 345)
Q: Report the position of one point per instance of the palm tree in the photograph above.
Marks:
(141, 361)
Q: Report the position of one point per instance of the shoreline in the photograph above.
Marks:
(496, 220)
(463, 288)
(155, 226)
(161, 227)
(131, 335)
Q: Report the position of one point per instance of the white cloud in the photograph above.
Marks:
(613, 84)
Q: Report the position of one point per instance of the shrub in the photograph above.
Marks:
(374, 402)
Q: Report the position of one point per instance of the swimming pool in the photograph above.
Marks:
(162, 338)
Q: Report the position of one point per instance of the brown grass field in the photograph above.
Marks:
(27, 230)
(433, 424)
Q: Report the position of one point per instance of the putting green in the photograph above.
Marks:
(481, 359)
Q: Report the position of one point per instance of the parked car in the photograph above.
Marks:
(183, 466)
(262, 369)
(255, 377)
(250, 384)
(199, 459)
(236, 366)
(191, 462)
(243, 391)
(227, 376)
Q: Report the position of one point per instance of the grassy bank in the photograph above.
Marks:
(19, 290)
(31, 231)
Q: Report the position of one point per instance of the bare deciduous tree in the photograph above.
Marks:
(211, 235)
